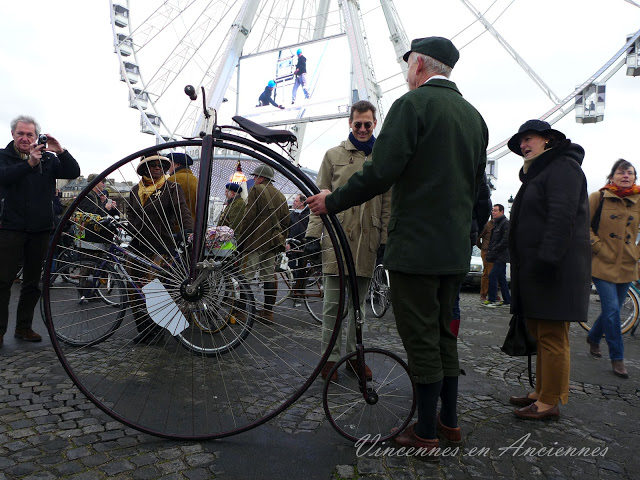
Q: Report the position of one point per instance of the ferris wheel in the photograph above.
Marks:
(233, 48)
(222, 45)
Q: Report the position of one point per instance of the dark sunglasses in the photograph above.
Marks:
(154, 165)
(367, 125)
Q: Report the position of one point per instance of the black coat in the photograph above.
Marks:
(26, 194)
(549, 239)
(499, 244)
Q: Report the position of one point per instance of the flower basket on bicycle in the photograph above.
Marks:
(92, 228)
(220, 242)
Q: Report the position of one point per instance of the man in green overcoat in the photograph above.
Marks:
(432, 150)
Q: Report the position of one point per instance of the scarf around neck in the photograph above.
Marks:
(366, 147)
(621, 192)
(147, 187)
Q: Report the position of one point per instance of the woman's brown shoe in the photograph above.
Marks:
(594, 349)
(521, 401)
(619, 369)
(532, 413)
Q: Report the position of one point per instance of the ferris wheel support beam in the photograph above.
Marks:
(398, 36)
(365, 84)
(319, 32)
(237, 37)
(545, 88)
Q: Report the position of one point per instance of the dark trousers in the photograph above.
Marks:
(422, 306)
(30, 249)
(497, 276)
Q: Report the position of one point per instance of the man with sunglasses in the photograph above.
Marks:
(365, 226)
(432, 150)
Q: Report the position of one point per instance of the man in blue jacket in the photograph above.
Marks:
(432, 150)
(28, 172)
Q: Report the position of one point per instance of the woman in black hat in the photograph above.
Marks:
(550, 258)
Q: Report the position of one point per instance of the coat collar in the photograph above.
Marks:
(439, 82)
(632, 198)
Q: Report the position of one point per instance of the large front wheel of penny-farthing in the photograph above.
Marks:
(183, 362)
(388, 406)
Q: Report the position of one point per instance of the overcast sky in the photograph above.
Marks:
(57, 64)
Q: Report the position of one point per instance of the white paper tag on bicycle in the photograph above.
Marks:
(162, 309)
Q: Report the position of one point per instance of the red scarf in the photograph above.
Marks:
(622, 192)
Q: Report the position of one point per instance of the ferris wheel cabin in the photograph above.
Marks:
(120, 15)
(633, 58)
(125, 44)
(589, 106)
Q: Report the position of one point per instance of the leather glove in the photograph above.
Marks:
(312, 246)
(380, 254)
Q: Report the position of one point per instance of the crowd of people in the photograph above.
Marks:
(394, 192)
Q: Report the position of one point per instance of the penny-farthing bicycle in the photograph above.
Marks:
(211, 366)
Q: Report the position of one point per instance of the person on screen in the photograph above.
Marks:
(265, 98)
(300, 75)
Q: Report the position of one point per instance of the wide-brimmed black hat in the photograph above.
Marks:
(163, 160)
(539, 126)
(180, 158)
(442, 49)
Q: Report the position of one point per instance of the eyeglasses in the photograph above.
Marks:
(154, 165)
(367, 125)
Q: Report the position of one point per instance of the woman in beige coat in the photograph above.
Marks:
(615, 215)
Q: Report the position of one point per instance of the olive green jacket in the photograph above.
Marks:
(266, 220)
(432, 150)
(232, 214)
(365, 225)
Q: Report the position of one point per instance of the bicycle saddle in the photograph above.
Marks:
(264, 134)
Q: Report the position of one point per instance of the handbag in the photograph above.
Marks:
(519, 343)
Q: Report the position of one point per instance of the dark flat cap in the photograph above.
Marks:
(539, 126)
(234, 187)
(435, 47)
(180, 158)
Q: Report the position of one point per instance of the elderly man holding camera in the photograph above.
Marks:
(28, 172)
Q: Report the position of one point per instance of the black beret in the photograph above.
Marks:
(181, 158)
(234, 187)
(435, 47)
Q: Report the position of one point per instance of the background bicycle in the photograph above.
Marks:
(629, 312)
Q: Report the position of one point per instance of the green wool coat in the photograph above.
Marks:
(266, 220)
(432, 150)
(232, 214)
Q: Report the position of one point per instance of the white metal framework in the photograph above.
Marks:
(164, 45)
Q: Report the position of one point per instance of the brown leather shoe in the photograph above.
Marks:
(450, 436)
(619, 369)
(531, 413)
(429, 448)
(521, 401)
(28, 335)
(326, 369)
(265, 316)
(594, 349)
(352, 364)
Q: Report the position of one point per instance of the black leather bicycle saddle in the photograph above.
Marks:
(264, 134)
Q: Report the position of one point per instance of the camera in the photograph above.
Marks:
(42, 139)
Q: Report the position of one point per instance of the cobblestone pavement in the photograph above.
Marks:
(48, 429)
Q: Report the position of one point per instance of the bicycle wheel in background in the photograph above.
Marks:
(628, 313)
(81, 315)
(391, 398)
(379, 292)
(187, 362)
